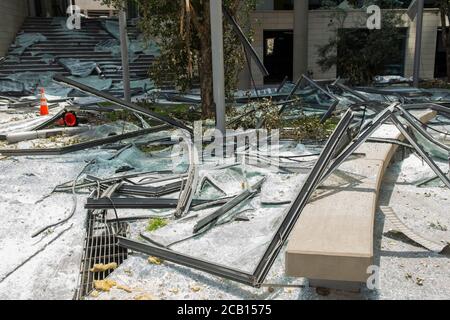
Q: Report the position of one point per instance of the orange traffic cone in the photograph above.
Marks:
(44, 104)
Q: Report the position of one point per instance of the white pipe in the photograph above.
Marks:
(42, 134)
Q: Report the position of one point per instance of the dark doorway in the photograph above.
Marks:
(53, 8)
(132, 11)
(440, 63)
(283, 4)
(278, 55)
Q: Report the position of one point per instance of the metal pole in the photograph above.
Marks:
(418, 43)
(124, 51)
(217, 62)
(300, 65)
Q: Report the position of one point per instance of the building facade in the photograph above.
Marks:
(14, 12)
(288, 33)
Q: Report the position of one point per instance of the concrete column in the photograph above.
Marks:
(418, 44)
(300, 38)
(217, 62)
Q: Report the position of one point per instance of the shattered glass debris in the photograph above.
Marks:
(265, 212)
(95, 82)
(11, 87)
(109, 45)
(25, 40)
(78, 68)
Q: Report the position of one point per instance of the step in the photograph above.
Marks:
(63, 37)
(89, 55)
(86, 41)
(56, 32)
(100, 60)
(49, 45)
(31, 69)
(62, 49)
(58, 27)
(23, 64)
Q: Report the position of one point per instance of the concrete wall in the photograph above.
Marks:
(431, 21)
(320, 32)
(12, 15)
(321, 27)
(90, 5)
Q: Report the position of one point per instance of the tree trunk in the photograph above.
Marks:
(205, 66)
(206, 81)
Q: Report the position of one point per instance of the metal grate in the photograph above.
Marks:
(100, 247)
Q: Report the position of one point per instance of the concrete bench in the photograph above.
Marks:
(332, 242)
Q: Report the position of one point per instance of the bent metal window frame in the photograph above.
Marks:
(317, 175)
(256, 278)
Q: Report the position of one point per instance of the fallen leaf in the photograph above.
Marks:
(154, 260)
(104, 285)
(94, 294)
(438, 226)
(124, 288)
(144, 297)
(419, 281)
(195, 288)
(100, 267)
(323, 291)
(128, 272)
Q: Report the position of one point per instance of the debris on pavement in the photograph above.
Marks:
(104, 285)
(104, 267)
(151, 193)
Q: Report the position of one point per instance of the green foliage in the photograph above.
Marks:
(152, 148)
(122, 115)
(359, 54)
(156, 223)
(301, 128)
(310, 128)
(183, 36)
(265, 109)
(383, 4)
(432, 84)
(179, 111)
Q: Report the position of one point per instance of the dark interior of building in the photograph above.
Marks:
(278, 55)
(43, 8)
(440, 65)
